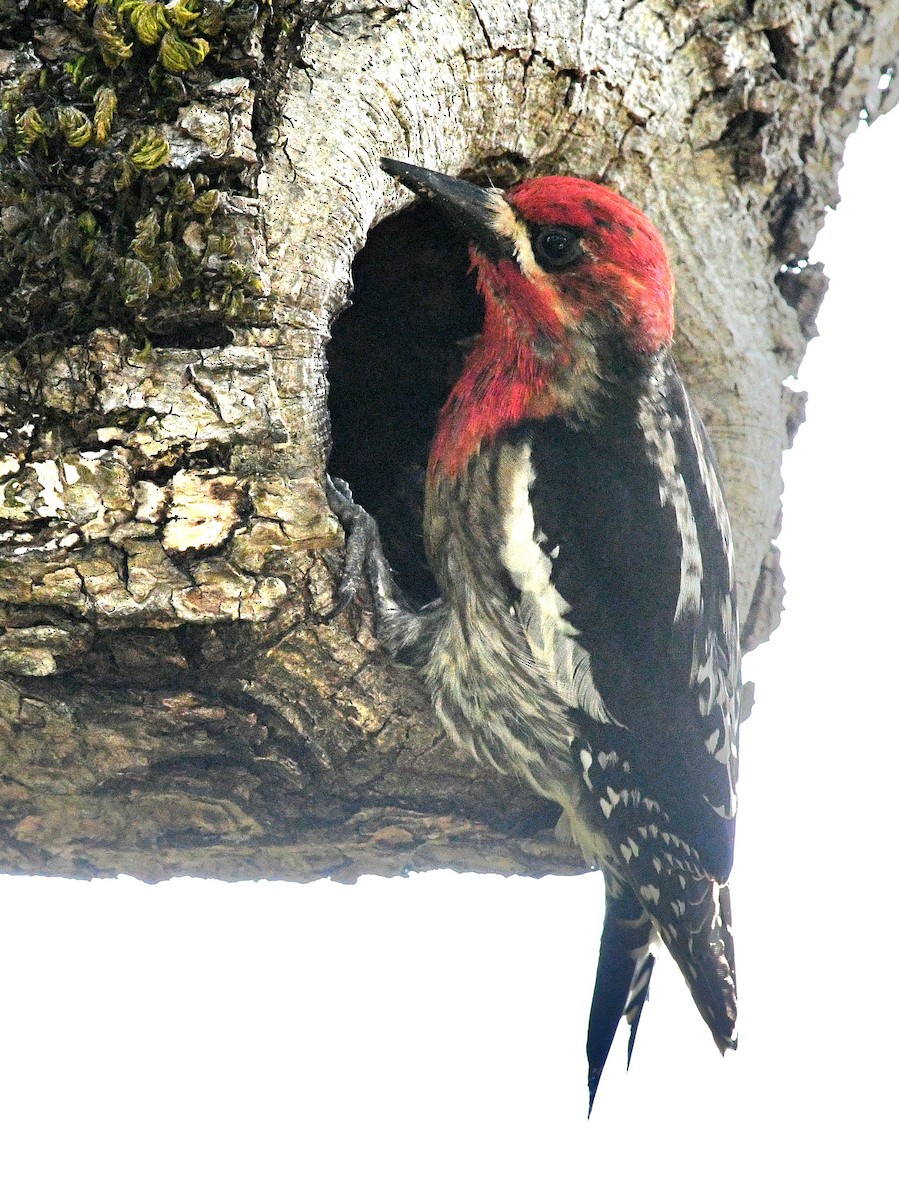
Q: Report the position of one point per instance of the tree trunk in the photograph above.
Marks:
(184, 194)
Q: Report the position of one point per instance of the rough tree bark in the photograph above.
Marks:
(184, 191)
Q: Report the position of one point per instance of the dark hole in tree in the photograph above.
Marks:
(393, 358)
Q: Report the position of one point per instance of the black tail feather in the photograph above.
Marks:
(638, 997)
(702, 945)
(622, 978)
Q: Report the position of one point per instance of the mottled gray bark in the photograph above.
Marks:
(171, 701)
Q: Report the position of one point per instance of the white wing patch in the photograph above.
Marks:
(586, 763)
(713, 675)
(655, 422)
(542, 609)
(712, 487)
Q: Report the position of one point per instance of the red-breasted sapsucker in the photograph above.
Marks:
(586, 640)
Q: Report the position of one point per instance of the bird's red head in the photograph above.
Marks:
(597, 254)
(561, 264)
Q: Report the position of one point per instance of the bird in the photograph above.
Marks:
(586, 639)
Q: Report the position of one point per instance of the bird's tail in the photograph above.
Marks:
(689, 909)
(622, 977)
(701, 943)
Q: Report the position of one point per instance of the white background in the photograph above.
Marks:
(424, 1037)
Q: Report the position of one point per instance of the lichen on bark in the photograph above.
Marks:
(128, 137)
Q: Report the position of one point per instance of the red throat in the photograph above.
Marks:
(507, 376)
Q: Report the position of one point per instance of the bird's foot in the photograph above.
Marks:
(408, 635)
(364, 557)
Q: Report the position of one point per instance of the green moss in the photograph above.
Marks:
(96, 225)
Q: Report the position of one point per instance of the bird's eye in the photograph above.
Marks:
(556, 247)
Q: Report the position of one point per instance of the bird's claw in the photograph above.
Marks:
(364, 556)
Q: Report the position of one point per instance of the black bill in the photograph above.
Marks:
(473, 209)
